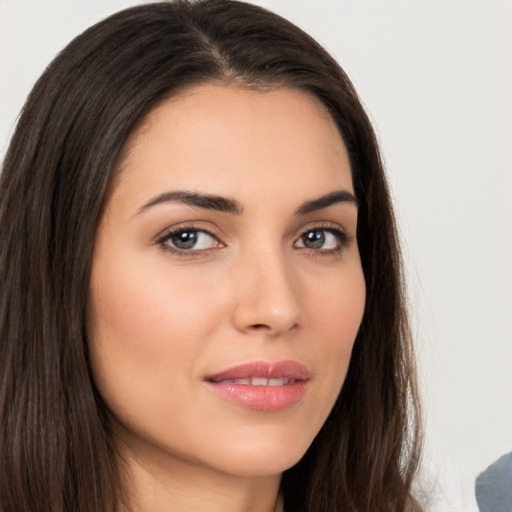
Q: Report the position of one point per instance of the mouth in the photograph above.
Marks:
(257, 381)
(261, 385)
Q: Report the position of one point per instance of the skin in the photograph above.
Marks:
(254, 289)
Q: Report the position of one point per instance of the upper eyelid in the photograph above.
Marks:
(327, 225)
(322, 224)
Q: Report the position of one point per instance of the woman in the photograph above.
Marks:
(202, 305)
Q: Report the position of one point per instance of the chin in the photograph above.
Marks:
(261, 459)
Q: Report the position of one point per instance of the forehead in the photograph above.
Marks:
(231, 141)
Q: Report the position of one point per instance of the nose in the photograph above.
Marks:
(267, 296)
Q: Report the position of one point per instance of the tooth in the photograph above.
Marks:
(259, 381)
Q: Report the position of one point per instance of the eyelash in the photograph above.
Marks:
(342, 236)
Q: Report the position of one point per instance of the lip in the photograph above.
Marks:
(274, 396)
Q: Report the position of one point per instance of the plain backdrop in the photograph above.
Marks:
(436, 77)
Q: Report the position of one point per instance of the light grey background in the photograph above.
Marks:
(436, 77)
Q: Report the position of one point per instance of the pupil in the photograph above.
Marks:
(314, 239)
(185, 240)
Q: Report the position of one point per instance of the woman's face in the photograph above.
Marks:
(226, 287)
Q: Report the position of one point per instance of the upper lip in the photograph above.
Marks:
(264, 369)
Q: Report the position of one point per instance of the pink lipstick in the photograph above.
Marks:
(262, 385)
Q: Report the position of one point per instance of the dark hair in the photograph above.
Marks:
(55, 444)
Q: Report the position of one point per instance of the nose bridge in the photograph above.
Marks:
(268, 296)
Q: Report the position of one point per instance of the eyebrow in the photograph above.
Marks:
(206, 201)
(226, 205)
(338, 196)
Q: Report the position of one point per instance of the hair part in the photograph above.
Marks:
(55, 436)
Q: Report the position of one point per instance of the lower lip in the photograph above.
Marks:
(261, 398)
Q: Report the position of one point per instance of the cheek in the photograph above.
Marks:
(140, 304)
(335, 311)
(144, 334)
(336, 304)
(342, 314)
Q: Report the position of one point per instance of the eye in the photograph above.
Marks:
(323, 239)
(189, 240)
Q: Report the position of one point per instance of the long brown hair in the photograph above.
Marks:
(55, 445)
